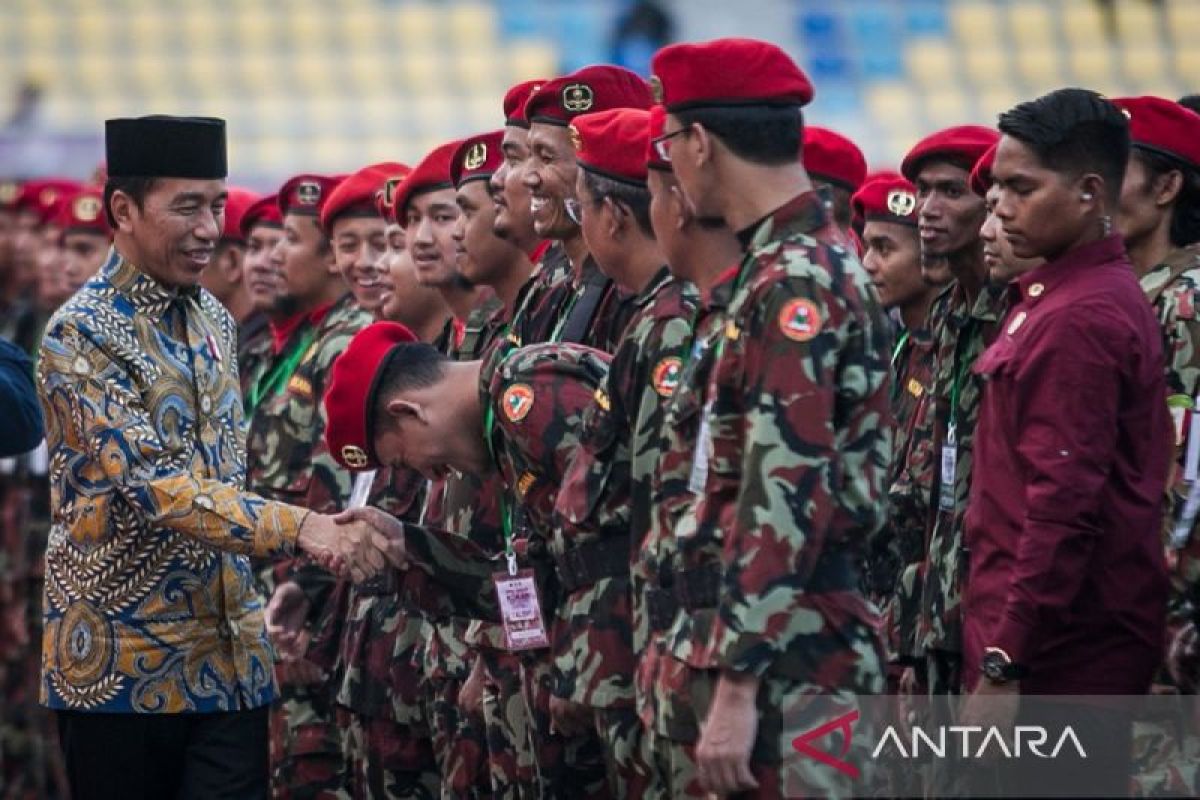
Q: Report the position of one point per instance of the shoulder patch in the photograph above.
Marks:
(300, 385)
(517, 401)
(800, 320)
(665, 377)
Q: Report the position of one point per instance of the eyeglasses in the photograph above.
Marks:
(662, 144)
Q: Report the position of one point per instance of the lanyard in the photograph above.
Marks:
(270, 384)
(899, 348)
(566, 315)
(506, 510)
(958, 378)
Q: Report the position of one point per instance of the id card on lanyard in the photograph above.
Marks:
(947, 494)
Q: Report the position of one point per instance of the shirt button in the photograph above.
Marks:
(1036, 290)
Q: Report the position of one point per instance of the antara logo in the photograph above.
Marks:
(1021, 741)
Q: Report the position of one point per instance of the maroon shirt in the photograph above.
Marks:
(1071, 455)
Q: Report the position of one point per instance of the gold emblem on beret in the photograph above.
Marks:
(576, 139)
(901, 202)
(8, 191)
(578, 97)
(656, 88)
(354, 456)
(476, 156)
(47, 196)
(308, 193)
(86, 208)
(389, 191)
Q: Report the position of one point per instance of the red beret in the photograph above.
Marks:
(385, 198)
(431, 174)
(728, 72)
(83, 211)
(963, 144)
(515, 100)
(42, 196)
(1163, 126)
(307, 194)
(833, 158)
(885, 200)
(356, 195)
(657, 124)
(612, 143)
(350, 395)
(263, 211)
(597, 88)
(236, 205)
(477, 158)
(981, 174)
(881, 173)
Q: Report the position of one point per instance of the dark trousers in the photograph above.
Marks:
(165, 756)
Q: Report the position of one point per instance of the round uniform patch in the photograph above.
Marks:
(800, 320)
(517, 401)
(666, 376)
(354, 456)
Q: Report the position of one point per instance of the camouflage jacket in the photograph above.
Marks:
(604, 507)
(960, 335)
(150, 605)
(894, 571)
(1173, 289)
(796, 461)
(254, 354)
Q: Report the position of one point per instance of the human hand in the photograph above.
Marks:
(727, 736)
(352, 542)
(387, 532)
(285, 616)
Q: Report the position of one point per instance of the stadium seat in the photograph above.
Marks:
(473, 25)
(1082, 24)
(1032, 22)
(1183, 22)
(987, 65)
(1137, 21)
(946, 107)
(923, 18)
(995, 100)
(891, 100)
(820, 29)
(881, 63)
(931, 62)
(1144, 64)
(531, 59)
(974, 21)
(1092, 67)
(1186, 61)
(872, 26)
(419, 25)
(1039, 67)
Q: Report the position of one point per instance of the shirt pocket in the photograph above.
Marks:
(290, 441)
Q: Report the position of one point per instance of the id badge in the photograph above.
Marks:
(946, 492)
(520, 610)
(700, 454)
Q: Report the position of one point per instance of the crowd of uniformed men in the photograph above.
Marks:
(657, 415)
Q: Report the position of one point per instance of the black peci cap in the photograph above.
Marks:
(166, 147)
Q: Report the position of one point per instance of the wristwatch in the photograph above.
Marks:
(998, 667)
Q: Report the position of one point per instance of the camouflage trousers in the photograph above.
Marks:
(459, 741)
(672, 769)
(511, 760)
(943, 674)
(624, 739)
(306, 745)
(569, 768)
(387, 760)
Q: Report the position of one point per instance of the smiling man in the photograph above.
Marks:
(155, 653)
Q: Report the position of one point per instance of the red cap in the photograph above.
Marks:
(352, 386)
(307, 194)
(236, 205)
(83, 211)
(356, 195)
(657, 125)
(431, 174)
(963, 144)
(833, 158)
(613, 143)
(728, 72)
(596, 88)
(477, 158)
(1163, 126)
(43, 196)
(981, 174)
(263, 211)
(885, 200)
(515, 100)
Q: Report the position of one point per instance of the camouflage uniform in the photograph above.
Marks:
(765, 568)
(287, 461)
(254, 355)
(385, 732)
(961, 333)
(1166, 754)
(605, 512)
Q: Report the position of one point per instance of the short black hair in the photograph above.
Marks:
(635, 198)
(1191, 101)
(137, 189)
(1185, 216)
(762, 134)
(1074, 132)
(407, 366)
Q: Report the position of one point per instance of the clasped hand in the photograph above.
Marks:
(359, 542)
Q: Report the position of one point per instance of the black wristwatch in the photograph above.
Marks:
(999, 668)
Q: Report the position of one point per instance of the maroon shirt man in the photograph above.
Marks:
(1072, 452)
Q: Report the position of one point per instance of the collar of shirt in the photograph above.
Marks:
(804, 213)
(721, 292)
(1069, 267)
(147, 295)
(660, 279)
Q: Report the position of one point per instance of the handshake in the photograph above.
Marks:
(359, 542)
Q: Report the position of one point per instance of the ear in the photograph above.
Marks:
(124, 211)
(705, 144)
(614, 218)
(1167, 188)
(1093, 194)
(331, 260)
(234, 258)
(400, 409)
(683, 214)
